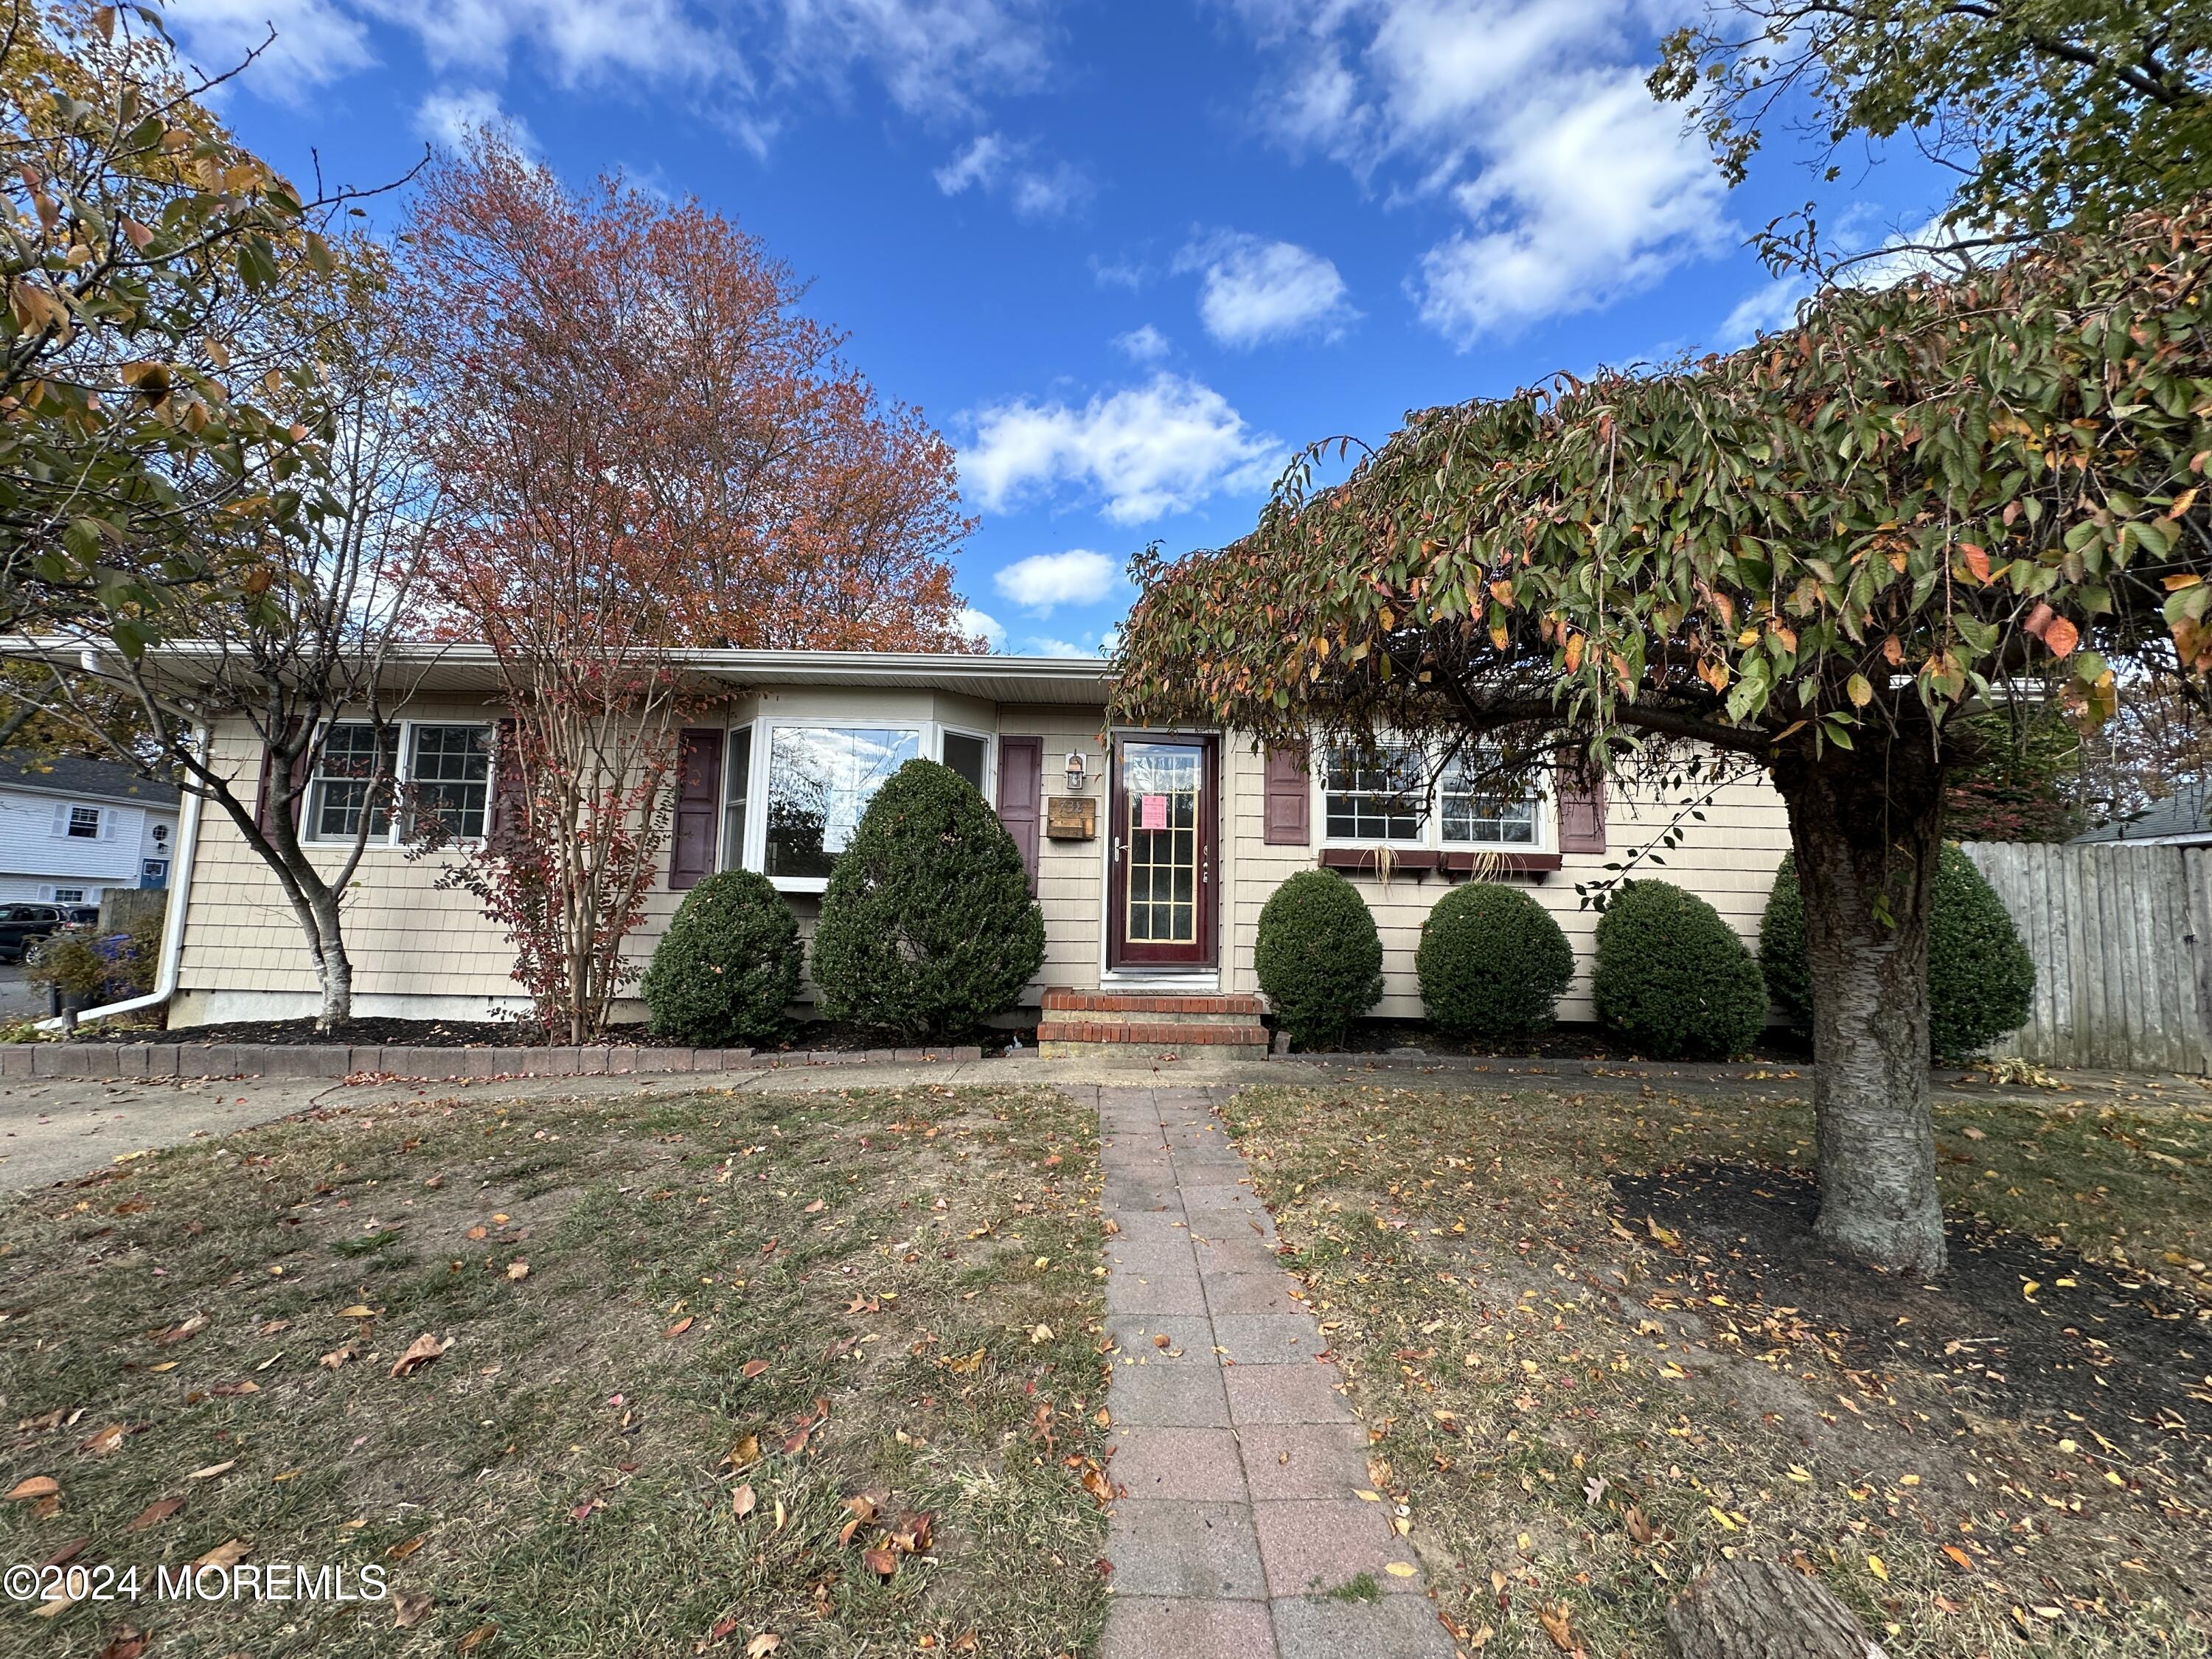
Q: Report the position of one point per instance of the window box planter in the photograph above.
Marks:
(1416, 862)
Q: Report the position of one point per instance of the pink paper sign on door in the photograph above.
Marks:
(1152, 813)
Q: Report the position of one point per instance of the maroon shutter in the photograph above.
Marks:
(1287, 819)
(1021, 796)
(1581, 815)
(265, 793)
(698, 805)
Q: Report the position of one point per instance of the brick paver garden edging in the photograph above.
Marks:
(333, 1060)
(1244, 1526)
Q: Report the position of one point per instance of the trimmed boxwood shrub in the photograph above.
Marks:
(1492, 963)
(728, 965)
(927, 928)
(1981, 980)
(1318, 957)
(1672, 978)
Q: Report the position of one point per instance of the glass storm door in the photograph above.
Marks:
(1161, 893)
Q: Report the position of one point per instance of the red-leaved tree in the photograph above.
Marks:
(647, 446)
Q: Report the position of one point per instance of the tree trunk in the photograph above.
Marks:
(1867, 828)
(1753, 1609)
(335, 966)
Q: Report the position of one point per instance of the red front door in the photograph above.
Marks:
(1162, 880)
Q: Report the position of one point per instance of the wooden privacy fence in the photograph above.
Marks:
(2121, 938)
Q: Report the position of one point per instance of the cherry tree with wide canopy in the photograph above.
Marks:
(1808, 559)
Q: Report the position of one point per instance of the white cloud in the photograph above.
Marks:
(318, 41)
(1252, 290)
(1038, 645)
(1036, 190)
(980, 625)
(1150, 451)
(1042, 581)
(1530, 116)
(1896, 257)
(742, 63)
(450, 116)
(1143, 345)
(1132, 273)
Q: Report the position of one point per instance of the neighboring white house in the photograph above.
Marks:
(70, 829)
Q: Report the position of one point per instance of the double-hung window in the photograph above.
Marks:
(441, 771)
(1382, 797)
(820, 779)
(83, 824)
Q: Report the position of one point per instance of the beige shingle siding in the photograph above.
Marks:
(1729, 858)
(1069, 872)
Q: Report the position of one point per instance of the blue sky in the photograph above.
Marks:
(1125, 256)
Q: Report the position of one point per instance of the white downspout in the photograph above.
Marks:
(173, 925)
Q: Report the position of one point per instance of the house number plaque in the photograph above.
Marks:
(1071, 817)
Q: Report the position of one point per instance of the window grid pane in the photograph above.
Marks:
(449, 776)
(820, 779)
(735, 782)
(344, 774)
(1162, 902)
(1374, 798)
(1473, 816)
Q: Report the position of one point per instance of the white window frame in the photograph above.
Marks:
(930, 733)
(1432, 836)
(66, 816)
(71, 896)
(403, 769)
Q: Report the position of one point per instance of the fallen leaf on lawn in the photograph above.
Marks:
(745, 1453)
(228, 1553)
(126, 1643)
(967, 1365)
(409, 1609)
(1965, 1561)
(61, 1601)
(1399, 1568)
(38, 1486)
(178, 1333)
(814, 1208)
(404, 1548)
(1161, 1340)
(1042, 1334)
(752, 1369)
(356, 1311)
(881, 1561)
(1094, 1481)
(423, 1351)
(213, 1470)
(767, 1642)
(1972, 1133)
(155, 1513)
(106, 1441)
(476, 1638)
(517, 1270)
(337, 1357)
(743, 1500)
(1875, 1566)
(1559, 1626)
(679, 1326)
(476, 1232)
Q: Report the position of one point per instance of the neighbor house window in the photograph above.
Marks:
(1476, 812)
(449, 776)
(69, 894)
(346, 772)
(84, 823)
(1382, 798)
(820, 779)
(970, 757)
(1376, 796)
(737, 781)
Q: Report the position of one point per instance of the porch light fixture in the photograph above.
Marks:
(1076, 775)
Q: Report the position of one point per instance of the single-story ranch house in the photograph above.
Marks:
(1151, 852)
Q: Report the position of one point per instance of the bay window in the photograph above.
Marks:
(820, 779)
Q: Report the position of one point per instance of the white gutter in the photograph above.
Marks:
(173, 925)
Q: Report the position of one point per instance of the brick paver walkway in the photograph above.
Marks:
(1236, 1459)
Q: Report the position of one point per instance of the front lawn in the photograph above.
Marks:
(1597, 1349)
(803, 1374)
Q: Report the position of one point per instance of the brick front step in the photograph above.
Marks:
(1124, 1004)
(1152, 1034)
(331, 1059)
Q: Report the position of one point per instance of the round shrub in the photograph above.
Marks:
(1492, 963)
(1981, 980)
(728, 965)
(1318, 957)
(1672, 978)
(927, 928)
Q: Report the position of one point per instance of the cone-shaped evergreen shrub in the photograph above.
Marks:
(927, 928)
(1318, 957)
(728, 965)
(1672, 978)
(1492, 963)
(1981, 980)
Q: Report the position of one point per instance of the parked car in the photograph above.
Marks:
(24, 927)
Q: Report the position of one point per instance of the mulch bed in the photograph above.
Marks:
(816, 1037)
(2014, 1329)
(1576, 1041)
